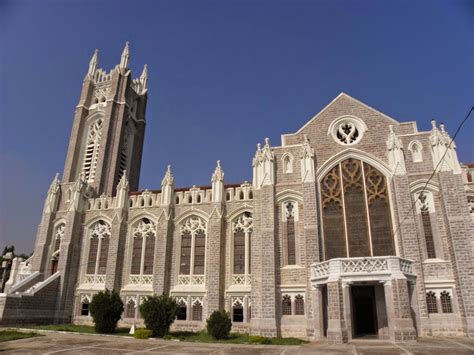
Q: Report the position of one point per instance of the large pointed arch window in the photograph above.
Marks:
(356, 211)
(99, 236)
(91, 149)
(193, 251)
(143, 251)
(242, 228)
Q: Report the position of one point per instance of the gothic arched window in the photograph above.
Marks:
(356, 211)
(130, 309)
(286, 305)
(193, 246)
(427, 220)
(446, 305)
(299, 305)
(290, 213)
(197, 310)
(143, 248)
(99, 236)
(91, 149)
(416, 148)
(242, 228)
(431, 302)
(287, 163)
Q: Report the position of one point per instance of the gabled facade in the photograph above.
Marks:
(355, 225)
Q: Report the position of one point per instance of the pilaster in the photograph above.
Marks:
(337, 329)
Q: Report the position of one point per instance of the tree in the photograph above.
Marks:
(219, 324)
(106, 309)
(159, 312)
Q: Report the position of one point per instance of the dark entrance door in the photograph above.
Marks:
(364, 314)
(324, 292)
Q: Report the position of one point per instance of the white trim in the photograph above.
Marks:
(192, 212)
(287, 167)
(419, 184)
(356, 121)
(238, 211)
(288, 194)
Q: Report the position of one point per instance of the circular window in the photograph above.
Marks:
(347, 130)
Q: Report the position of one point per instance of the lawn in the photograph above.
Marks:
(6, 335)
(234, 338)
(199, 337)
(87, 329)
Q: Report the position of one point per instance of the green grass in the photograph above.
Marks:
(198, 337)
(6, 335)
(87, 329)
(234, 338)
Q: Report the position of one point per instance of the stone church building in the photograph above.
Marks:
(355, 225)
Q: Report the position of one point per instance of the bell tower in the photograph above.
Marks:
(109, 126)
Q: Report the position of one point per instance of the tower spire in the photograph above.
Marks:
(125, 56)
(93, 63)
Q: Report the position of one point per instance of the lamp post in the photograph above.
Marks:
(6, 264)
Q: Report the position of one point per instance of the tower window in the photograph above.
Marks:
(299, 305)
(286, 305)
(446, 305)
(197, 310)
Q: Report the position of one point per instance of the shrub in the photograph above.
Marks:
(142, 333)
(106, 309)
(219, 324)
(257, 339)
(159, 312)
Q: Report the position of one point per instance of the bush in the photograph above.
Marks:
(142, 333)
(257, 339)
(219, 324)
(106, 309)
(159, 312)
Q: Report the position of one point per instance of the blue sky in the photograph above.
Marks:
(222, 76)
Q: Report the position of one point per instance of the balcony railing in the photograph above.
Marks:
(94, 279)
(191, 280)
(140, 280)
(241, 280)
(378, 265)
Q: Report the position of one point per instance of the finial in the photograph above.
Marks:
(259, 146)
(442, 127)
(391, 129)
(93, 63)
(169, 178)
(305, 137)
(267, 141)
(125, 56)
(433, 123)
(218, 174)
(144, 76)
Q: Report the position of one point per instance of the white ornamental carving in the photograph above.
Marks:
(60, 231)
(145, 229)
(94, 279)
(100, 230)
(364, 265)
(244, 222)
(193, 225)
(140, 280)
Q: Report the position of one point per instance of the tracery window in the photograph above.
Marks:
(242, 228)
(431, 303)
(299, 305)
(237, 311)
(446, 305)
(193, 246)
(143, 248)
(197, 310)
(182, 309)
(356, 211)
(286, 305)
(99, 236)
(290, 233)
(425, 208)
(130, 309)
(91, 150)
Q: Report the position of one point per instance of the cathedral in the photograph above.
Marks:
(357, 225)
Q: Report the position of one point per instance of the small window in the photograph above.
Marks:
(177, 200)
(237, 313)
(299, 305)
(130, 311)
(431, 302)
(197, 311)
(85, 308)
(182, 310)
(446, 305)
(199, 199)
(241, 195)
(190, 199)
(287, 164)
(250, 195)
(227, 196)
(286, 305)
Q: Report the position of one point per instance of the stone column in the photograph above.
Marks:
(70, 253)
(317, 306)
(264, 301)
(400, 321)
(460, 230)
(118, 235)
(45, 229)
(337, 329)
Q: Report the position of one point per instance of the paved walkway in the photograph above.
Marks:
(63, 343)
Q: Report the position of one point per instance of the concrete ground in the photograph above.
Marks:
(64, 343)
